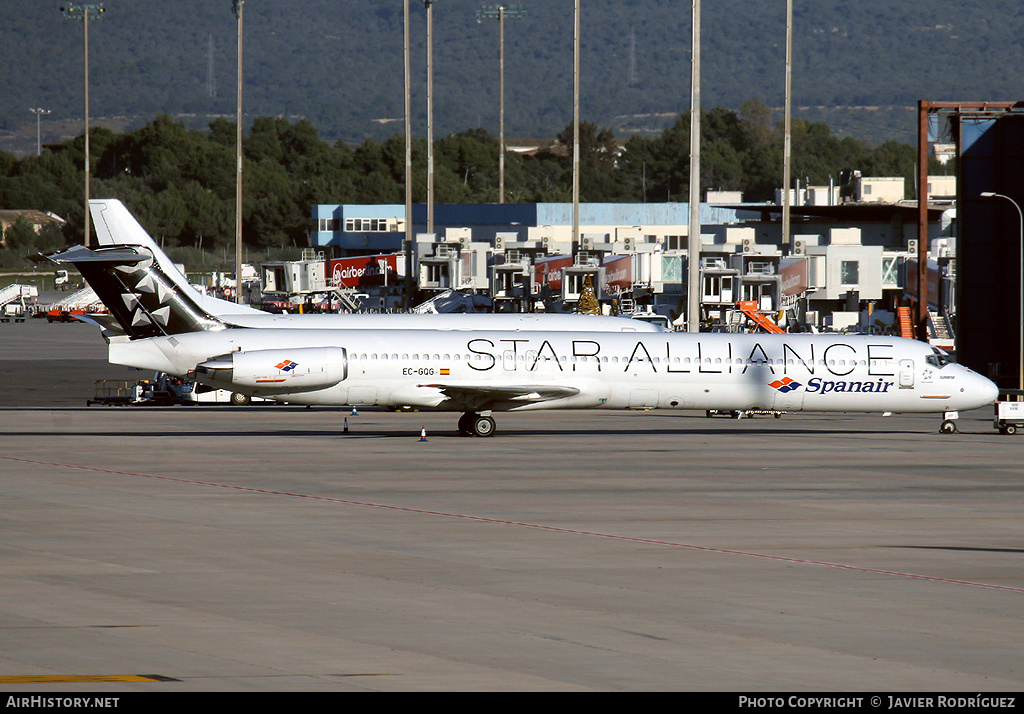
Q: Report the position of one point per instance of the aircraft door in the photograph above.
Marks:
(906, 374)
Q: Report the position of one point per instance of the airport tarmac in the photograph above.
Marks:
(266, 549)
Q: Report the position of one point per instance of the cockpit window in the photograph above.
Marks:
(938, 358)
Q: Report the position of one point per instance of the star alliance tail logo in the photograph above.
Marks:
(287, 365)
(785, 385)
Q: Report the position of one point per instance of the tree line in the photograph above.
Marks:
(180, 182)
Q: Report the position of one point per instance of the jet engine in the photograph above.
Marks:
(277, 371)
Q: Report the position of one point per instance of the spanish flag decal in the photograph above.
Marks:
(445, 372)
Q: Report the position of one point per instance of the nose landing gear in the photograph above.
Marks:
(948, 425)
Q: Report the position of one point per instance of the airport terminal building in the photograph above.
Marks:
(843, 259)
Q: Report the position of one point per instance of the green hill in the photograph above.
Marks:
(857, 66)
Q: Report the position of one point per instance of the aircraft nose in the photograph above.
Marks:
(991, 391)
(985, 390)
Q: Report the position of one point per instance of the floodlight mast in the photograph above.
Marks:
(39, 144)
(429, 6)
(501, 12)
(693, 281)
(408, 158)
(576, 123)
(85, 12)
(236, 8)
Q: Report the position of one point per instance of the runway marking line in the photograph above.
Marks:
(535, 526)
(85, 678)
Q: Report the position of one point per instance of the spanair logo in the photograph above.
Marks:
(785, 385)
(287, 365)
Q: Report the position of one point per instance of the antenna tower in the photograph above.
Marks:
(634, 80)
(211, 79)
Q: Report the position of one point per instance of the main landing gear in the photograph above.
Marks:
(473, 424)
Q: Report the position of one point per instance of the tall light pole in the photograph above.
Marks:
(512, 11)
(85, 12)
(236, 7)
(429, 5)
(787, 148)
(693, 300)
(1020, 301)
(408, 162)
(39, 144)
(576, 123)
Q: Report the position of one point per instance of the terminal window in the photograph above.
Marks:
(366, 225)
(849, 272)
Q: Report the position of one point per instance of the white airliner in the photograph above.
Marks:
(115, 225)
(485, 371)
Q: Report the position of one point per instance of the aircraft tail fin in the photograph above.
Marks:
(115, 225)
(139, 295)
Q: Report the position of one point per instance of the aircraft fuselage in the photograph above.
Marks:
(447, 369)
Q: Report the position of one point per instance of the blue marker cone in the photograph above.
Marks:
(354, 412)
(423, 434)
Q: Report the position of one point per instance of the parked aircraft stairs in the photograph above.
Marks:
(14, 292)
(431, 304)
(454, 300)
(749, 308)
(906, 319)
(939, 325)
(348, 298)
(939, 332)
(78, 300)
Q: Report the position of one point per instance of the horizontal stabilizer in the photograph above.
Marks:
(141, 298)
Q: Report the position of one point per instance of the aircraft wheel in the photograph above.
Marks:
(240, 400)
(483, 426)
(948, 427)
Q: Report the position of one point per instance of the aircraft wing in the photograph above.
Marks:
(474, 397)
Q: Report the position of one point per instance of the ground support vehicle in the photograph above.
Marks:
(163, 390)
(1009, 411)
(741, 414)
(115, 392)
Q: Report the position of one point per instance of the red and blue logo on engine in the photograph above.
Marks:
(287, 365)
(785, 385)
